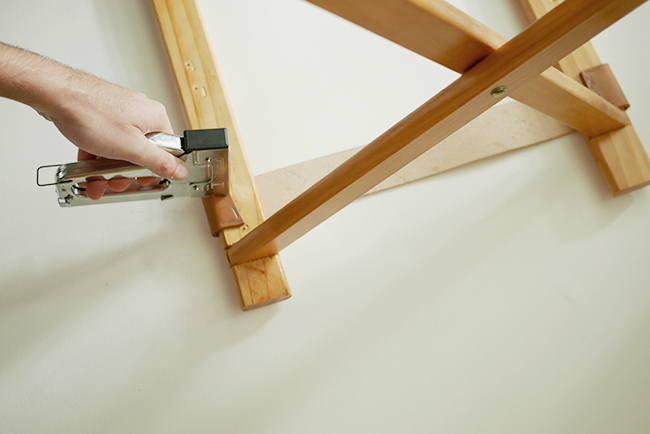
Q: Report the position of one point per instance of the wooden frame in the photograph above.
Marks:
(491, 67)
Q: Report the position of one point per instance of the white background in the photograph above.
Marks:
(508, 296)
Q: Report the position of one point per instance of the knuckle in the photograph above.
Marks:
(161, 110)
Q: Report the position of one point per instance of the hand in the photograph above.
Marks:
(106, 120)
(101, 118)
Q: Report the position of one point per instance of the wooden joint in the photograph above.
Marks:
(601, 80)
(619, 153)
(545, 42)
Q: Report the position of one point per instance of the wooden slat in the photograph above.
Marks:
(206, 106)
(448, 36)
(558, 96)
(582, 58)
(518, 61)
(620, 155)
(433, 28)
(501, 129)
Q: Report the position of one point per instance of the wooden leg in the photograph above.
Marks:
(206, 106)
(622, 159)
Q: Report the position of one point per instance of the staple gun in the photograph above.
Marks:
(207, 161)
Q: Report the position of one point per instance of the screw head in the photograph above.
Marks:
(498, 91)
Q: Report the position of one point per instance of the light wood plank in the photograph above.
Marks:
(527, 55)
(501, 129)
(206, 106)
(620, 155)
(448, 36)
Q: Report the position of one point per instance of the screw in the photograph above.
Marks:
(498, 91)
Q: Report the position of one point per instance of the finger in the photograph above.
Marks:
(96, 189)
(166, 126)
(146, 180)
(160, 162)
(84, 184)
(84, 156)
(161, 121)
(119, 184)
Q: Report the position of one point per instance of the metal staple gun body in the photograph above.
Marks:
(207, 161)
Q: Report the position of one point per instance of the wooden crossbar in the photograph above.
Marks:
(513, 65)
(444, 34)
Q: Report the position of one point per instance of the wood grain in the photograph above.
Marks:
(620, 155)
(524, 57)
(206, 106)
(448, 36)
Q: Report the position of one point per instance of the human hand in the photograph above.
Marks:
(107, 121)
(102, 119)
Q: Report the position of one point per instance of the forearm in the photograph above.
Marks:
(31, 79)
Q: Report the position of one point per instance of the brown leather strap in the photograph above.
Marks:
(602, 81)
(222, 213)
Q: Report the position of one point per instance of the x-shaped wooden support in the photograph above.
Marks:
(491, 70)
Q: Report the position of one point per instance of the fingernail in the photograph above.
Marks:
(181, 172)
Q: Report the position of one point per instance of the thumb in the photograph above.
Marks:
(160, 162)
